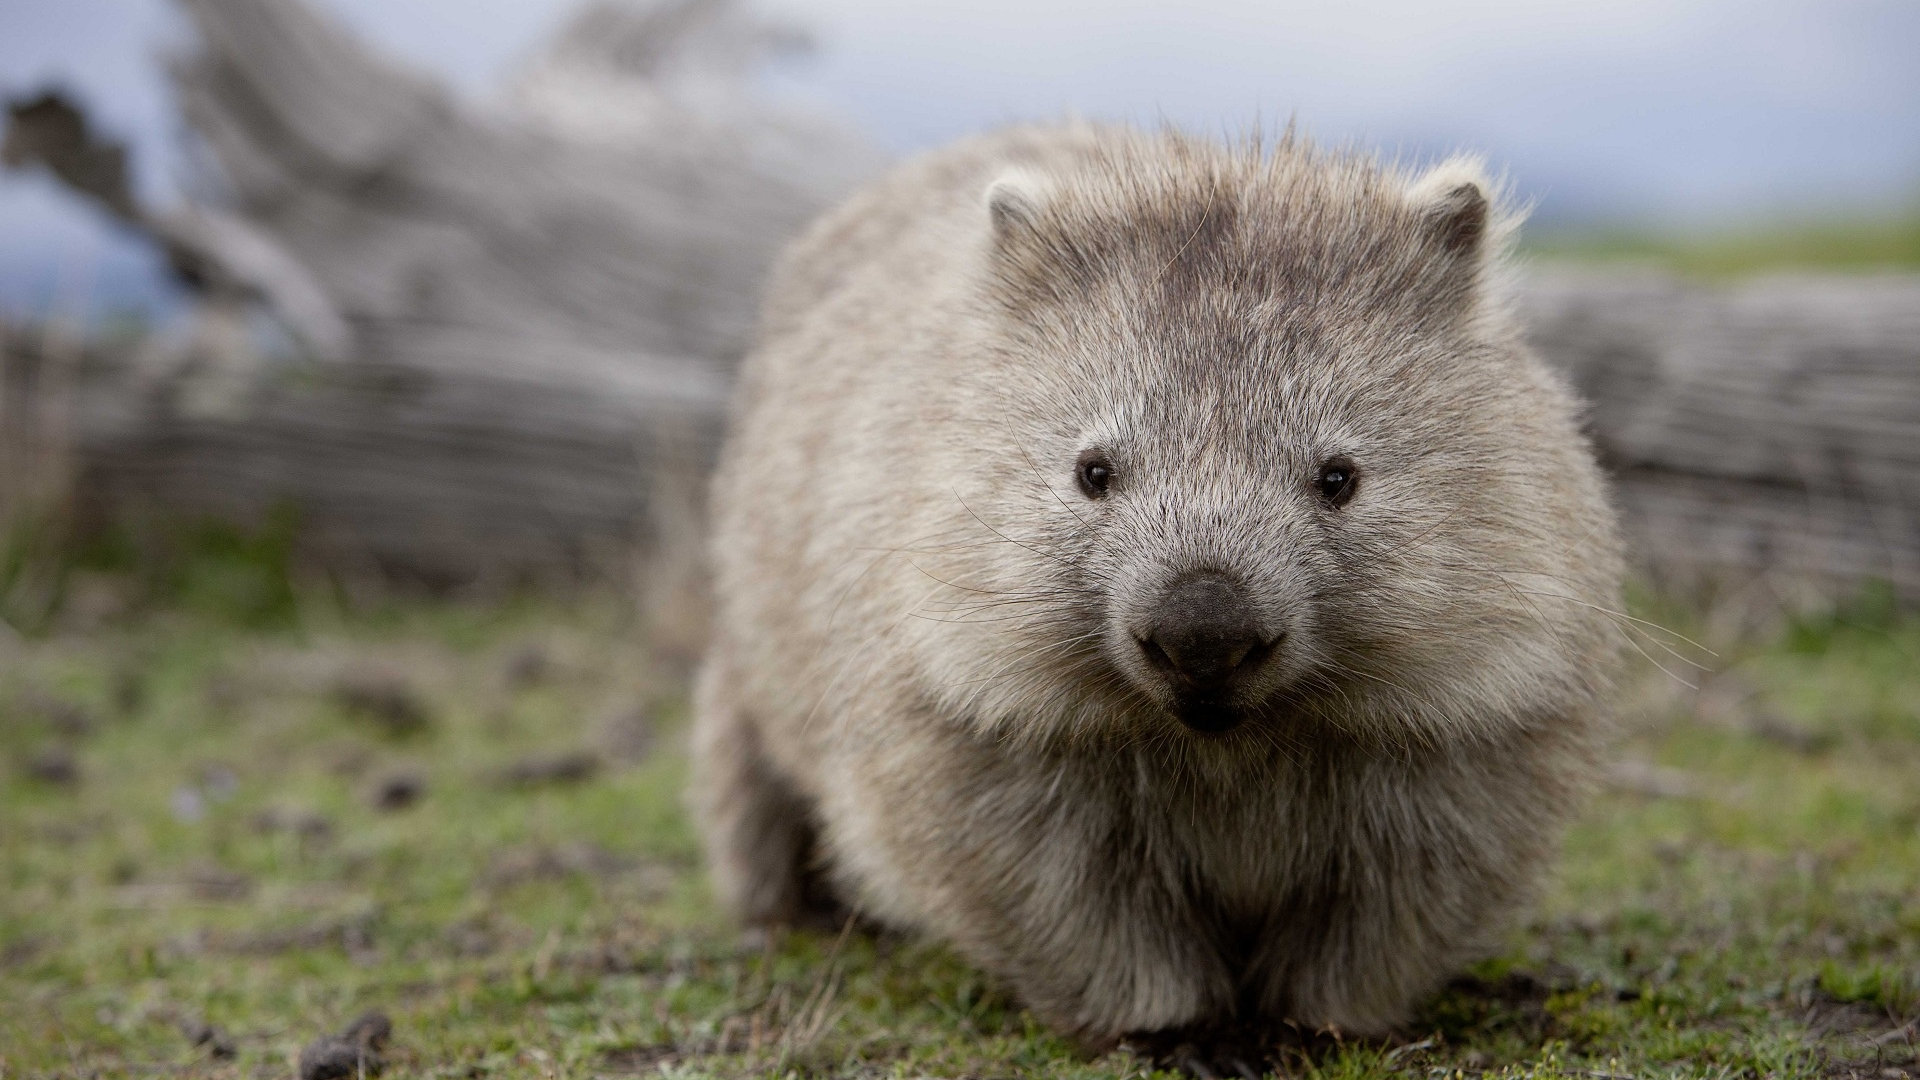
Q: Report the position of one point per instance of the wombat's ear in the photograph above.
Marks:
(1454, 200)
(1014, 200)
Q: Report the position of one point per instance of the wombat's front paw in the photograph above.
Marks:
(1208, 1052)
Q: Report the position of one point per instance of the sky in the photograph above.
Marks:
(1680, 114)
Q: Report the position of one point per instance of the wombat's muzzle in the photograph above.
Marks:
(1204, 639)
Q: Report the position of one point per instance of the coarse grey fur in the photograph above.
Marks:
(928, 680)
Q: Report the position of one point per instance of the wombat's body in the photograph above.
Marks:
(1159, 570)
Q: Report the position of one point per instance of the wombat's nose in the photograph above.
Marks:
(1204, 633)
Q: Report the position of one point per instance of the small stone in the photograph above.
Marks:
(20, 951)
(54, 765)
(386, 698)
(210, 1037)
(397, 790)
(64, 717)
(355, 1052)
(371, 1029)
(331, 1057)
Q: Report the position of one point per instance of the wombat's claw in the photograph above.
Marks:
(1206, 1060)
(1186, 1057)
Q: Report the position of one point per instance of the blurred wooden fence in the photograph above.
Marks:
(516, 327)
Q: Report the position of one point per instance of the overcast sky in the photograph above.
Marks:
(1679, 113)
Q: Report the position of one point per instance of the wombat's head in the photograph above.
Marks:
(1251, 449)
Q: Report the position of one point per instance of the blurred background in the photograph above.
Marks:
(361, 362)
(1711, 116)
(461, 285)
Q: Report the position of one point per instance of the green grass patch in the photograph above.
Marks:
(247, 806)
(1875, 244)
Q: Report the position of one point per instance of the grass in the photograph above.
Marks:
(200, 825)
(1867, 244)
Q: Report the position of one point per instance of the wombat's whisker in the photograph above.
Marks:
(1043, 553)
(1041, 477)
(1375, 556)
(1037, 611)
(1628, 624)
(1062, 597)
(1433, 709)
(840, 670)
(1632, 641)
(1627, 633)
(1602, 609)
(1003, 670)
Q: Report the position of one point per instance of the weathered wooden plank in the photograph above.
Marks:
(545, 302)
(1769, 427)
(1766, 426)
(544, 299)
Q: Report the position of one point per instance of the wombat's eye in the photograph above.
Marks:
(1094, 472)
(1336, 481)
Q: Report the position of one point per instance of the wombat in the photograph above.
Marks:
(1159, 569)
